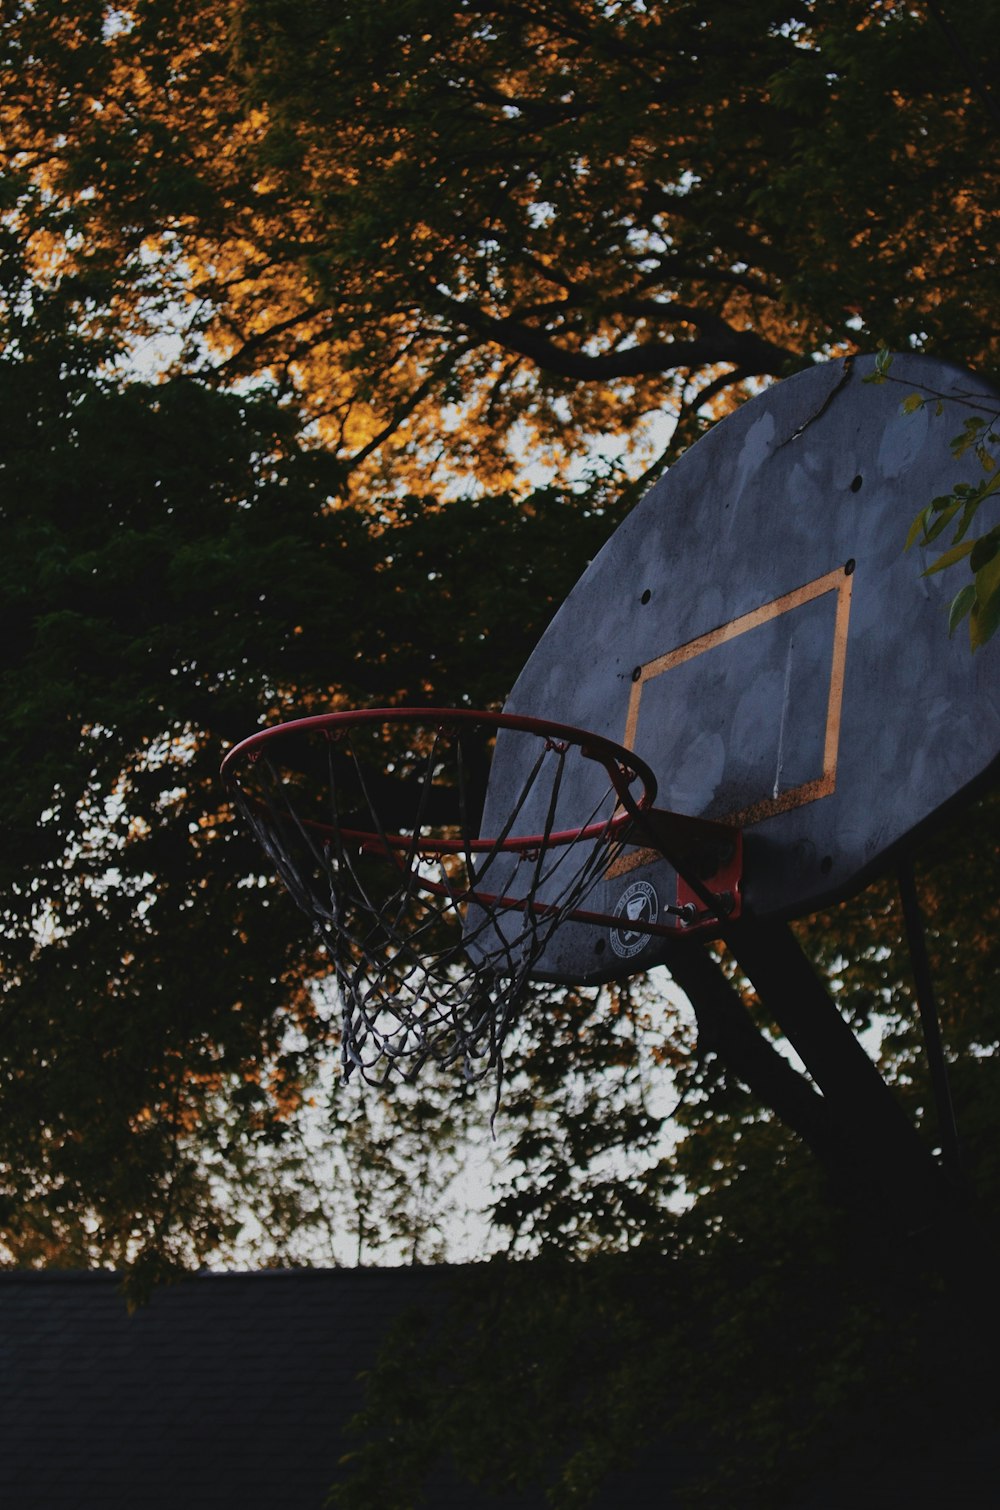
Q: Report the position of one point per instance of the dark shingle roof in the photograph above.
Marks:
(226, 1390)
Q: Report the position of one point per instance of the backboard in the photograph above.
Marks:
(756, 633)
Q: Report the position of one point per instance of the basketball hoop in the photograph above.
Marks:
(372, 820)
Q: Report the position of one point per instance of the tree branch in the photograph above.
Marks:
(754, 354)
(726, 1028)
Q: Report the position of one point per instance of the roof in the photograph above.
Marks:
(225, 1390)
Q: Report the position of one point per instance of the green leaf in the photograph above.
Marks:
(988, 577)
(961, 605)
(984, 550)
(993, 486)
(943, 520)
(917, 528)
(985, 620)
(949, 557)
(969, 435)
(912, 402)
(968, 514)
(883, 361)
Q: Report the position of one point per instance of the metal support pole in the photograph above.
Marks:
(927, 1006)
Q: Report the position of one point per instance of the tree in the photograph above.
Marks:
(390, 242)
(174, 571)
(564, 219)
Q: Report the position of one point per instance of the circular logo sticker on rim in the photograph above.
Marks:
(637, 903)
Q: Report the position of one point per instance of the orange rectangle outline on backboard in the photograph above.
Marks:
(839, 581)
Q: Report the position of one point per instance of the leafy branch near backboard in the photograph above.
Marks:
(978, 600)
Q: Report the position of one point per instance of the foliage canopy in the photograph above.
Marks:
(450, 230)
